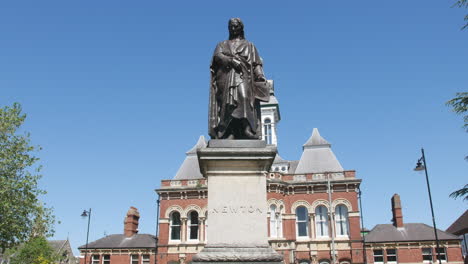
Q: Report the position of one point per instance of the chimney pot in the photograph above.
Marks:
(131, 222)
(397, 211)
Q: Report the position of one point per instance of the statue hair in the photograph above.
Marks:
(238, 20)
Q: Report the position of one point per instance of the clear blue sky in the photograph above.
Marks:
(117, 91)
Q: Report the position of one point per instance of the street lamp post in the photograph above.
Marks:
(86, 214)
(421, 165)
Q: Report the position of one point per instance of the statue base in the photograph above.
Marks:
(237, 202)
(229, 253)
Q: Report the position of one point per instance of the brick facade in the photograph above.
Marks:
(284, 192)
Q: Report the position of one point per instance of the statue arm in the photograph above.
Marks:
(258, 73)
(257, 66)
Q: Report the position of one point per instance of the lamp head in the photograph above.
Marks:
(84, 214)
(419, 166)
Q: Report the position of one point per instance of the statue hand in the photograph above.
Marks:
(236, 64)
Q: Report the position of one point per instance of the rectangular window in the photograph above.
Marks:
(146, 259)
(378, 256)
(134, 259)
(391, 255)
(106, 259)
(95, 259)
(441, 252)
(427, 255)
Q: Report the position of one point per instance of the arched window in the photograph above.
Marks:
(273, 229)
(341, 219)
(301, 221)
(321, 221)
(324, 261)
(276, 224)
(192, 226)
(267, 130)
(175, 225)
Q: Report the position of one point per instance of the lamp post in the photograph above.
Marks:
(86, 214)
(421, 165)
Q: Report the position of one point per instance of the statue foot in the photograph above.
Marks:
(250, 135)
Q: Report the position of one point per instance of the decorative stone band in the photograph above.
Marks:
(237, 253)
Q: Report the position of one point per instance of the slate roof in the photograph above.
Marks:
(410, 232)
(57, 245)
(317, 156)
(121, 241)
(293, 166)
(190, 169)
(460, 226)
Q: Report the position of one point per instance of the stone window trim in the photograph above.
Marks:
(300, 203)
(391, 255)
(134, 259)
(278, 203)
(95, 259)
(378, 255)
(106, 259)
(427, 255)
(192, 207)
(145, 259)
(275, 214)
(443, 254)
(342, 201)
(173, 208)
(319, 202)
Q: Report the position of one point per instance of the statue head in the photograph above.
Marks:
(236, 28)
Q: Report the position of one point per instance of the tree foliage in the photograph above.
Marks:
(463, 4)
(34, 251)
(459, 105)
(463, 192)
(22, 215)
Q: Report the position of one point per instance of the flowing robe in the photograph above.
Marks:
(235, 94)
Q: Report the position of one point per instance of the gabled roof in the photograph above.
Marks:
(317, 156)
(57, 245)
(279, 159)
(410, 232)
(460, 226)
(121, 241)
(190, 169)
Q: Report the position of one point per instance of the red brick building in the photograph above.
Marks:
(313, 214)
(127, 248)
(410, 242)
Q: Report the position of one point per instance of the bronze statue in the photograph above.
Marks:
(237, 87)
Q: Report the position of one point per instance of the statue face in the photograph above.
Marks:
(235, 28)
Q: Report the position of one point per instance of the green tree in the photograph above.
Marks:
(459, 105)
(463, 4)
(22, 215)
(34, 251)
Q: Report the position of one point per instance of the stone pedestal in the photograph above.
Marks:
(237, 207)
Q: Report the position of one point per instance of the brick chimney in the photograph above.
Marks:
(131, 222)
(396, 210)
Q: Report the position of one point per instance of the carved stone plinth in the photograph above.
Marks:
(237, 206)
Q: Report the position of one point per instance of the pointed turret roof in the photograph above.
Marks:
(190, 169)
(317, 156)
(316, 140)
